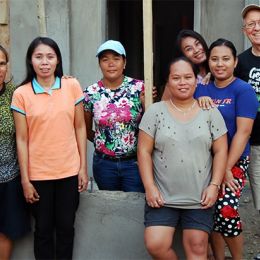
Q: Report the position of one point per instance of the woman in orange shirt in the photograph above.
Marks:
(51, 142)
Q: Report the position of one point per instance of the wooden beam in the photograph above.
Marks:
(148, 51)
(4, 17)
(41, 17)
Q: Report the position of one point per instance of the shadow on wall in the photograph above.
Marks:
(109, 225)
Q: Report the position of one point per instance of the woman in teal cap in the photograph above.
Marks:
(115, 106)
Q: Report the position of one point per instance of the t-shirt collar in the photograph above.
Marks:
(38, 89)
(123, 85)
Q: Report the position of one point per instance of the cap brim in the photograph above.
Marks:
(100, 52)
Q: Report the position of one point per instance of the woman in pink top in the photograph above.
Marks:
(51, 142)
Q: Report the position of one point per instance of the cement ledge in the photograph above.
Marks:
(109, 225)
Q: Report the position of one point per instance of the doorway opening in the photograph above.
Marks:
(125, 23)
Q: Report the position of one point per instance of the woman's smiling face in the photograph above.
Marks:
(193, 50)
(222, 63)
(182, 80)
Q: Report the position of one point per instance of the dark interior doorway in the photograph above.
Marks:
(125, 23)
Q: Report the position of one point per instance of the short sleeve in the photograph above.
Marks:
(18, 103)
(141, 84)
(237, 71)
(217, 124)
(238, 68)
(201, 90)
(78, 93)
(149, 120)
(247, 103)
(91, 94)
(88, 105)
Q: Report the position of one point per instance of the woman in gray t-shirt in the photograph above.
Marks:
(182, 151)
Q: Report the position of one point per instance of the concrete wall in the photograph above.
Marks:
(222, 19)
(109, 225)
(23, 28)
(88, 31)
(77, 26)
(4, 27)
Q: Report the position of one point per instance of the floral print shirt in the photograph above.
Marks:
(117, 114)
(9, 168)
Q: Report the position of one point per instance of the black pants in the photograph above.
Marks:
(54, 218)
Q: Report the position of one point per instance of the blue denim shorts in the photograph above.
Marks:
(201, 219)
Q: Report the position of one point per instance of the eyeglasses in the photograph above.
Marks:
(3, 64)
(252, 24)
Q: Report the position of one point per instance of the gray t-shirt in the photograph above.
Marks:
(182, 159)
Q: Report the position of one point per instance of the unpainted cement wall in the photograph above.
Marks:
(109, 225)
(222, 19)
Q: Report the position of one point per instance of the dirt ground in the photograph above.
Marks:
(251, 223)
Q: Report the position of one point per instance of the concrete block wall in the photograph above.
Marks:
(109, 225)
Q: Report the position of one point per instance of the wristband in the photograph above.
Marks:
(215, 184)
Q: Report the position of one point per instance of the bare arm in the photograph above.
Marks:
(166, 93)
(142, 97)
(206, 79)
(89, 124)
(220, 151)
(238, 144)
(81, 137)
(29, 191)
(144, 154)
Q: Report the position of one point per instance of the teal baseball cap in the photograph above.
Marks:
(111, 45)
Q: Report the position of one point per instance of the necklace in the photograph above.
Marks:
(186, 111)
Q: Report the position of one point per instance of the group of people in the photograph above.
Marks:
(189, 153)
(172, 172)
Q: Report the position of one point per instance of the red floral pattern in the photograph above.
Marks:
(116, 115)
(228, 212)
(237, 172)
(227, 220)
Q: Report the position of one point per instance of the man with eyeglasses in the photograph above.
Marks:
(248, 69)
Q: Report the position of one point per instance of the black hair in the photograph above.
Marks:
(224, 42)
(30, 73)
(194, 67)
(190, 33)
(104, 51)
(4, 51)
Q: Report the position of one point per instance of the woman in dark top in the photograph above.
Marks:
(14, 217)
